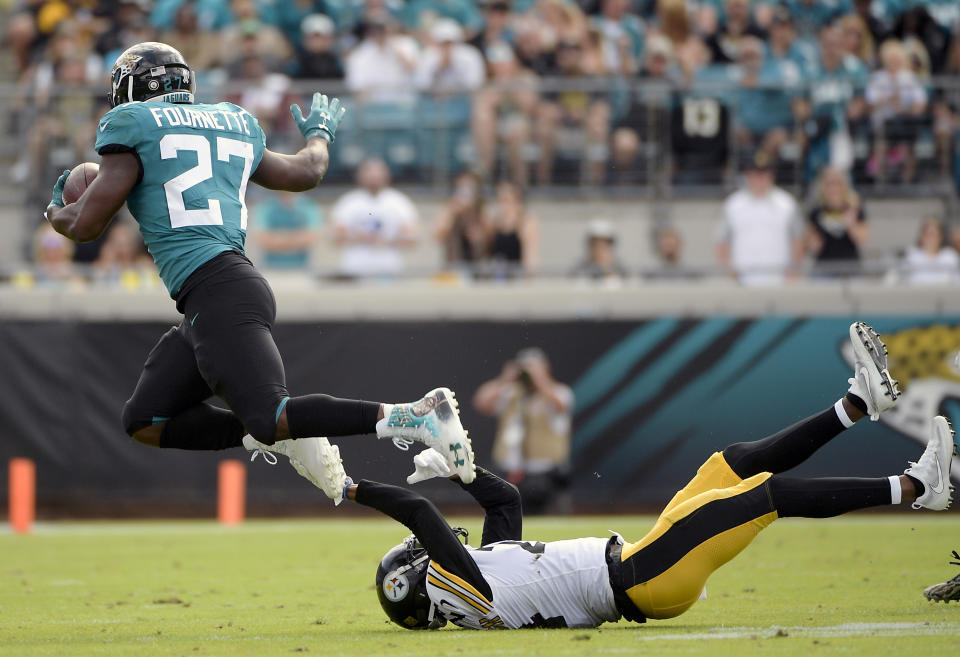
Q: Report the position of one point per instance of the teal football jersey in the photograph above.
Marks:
(197, 160)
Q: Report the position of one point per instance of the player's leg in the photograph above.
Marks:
(871, 392)
(167, 409)
(664, 573)
(235, 352)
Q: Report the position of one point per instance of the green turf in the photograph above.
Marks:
(841, 586)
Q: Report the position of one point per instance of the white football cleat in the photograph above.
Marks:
(315, 459)
(871, 380)
(435, 422)
(933, 468)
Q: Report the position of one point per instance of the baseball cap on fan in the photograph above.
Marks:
(446, 30)
(317, 24)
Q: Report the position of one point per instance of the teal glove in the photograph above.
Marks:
(57, 199)
(323, 118)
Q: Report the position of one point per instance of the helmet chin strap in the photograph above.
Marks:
(130, 88)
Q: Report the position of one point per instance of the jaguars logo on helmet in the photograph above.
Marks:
(402, 585)
(151, 70)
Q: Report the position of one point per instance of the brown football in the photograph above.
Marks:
(78, 180)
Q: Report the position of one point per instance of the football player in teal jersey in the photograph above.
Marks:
(182, 169)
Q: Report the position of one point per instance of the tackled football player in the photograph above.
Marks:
(432, 578)
(182, 168)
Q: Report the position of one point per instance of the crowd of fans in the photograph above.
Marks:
(536, 91)
(519, 93)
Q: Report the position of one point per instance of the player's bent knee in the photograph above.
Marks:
(263, 428)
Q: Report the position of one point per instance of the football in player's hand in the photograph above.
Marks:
(78, 180)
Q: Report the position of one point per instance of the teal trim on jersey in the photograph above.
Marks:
(157, 419)
(194, 319)
(283, 405)
(197, 160)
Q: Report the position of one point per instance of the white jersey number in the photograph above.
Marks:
(180, 216)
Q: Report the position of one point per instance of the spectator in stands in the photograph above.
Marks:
(264, 94)
(621, 36)
(857, 39)
(515, 246)
(23, 37)
(737, 23)
(123, 260)
(200, 48)
(764, 97)
(502, 112)
(462, 227)
(449, 67)
(316, 57)
(646, 117)
(600, 262)
(287, 227)
(759, 237)
(250, 37)
(127, 24)
(381, 68)
(573, 108)
(61, 114)
(52, 256)
(835, 103)
(686, 46)
(837, 226)
(496, 27)
(373, 224)
(922, 22)
(669, 251)
(534, 418)
(794, 57)
(898, 105)
(931, 261)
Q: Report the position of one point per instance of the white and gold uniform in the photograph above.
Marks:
(556, 584)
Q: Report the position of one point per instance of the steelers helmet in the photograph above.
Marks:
(402, 585)
(151, 70)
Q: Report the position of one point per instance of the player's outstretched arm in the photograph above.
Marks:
(305, 169)
(503, 511)
(86, 219)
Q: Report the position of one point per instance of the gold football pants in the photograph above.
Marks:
(706, 524)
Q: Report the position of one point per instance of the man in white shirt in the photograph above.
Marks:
(373, 224)
(449, 66)
(759, 234)
(380, 69)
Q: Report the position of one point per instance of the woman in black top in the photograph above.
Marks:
(516, 232)
(837, 226)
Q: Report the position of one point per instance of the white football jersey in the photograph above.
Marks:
(556, 584)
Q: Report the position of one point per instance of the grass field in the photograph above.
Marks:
(843, 586)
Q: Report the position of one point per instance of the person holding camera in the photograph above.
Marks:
(532, 443)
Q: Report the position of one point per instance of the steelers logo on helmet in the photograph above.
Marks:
(395, 586)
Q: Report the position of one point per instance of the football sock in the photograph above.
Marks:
(785, 449)
(896, 490)
(828, 496)
(203, 427)
(842, 414)
(921, 489)
(323, 415)
(856, 401)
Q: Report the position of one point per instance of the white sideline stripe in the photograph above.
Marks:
(828, 631)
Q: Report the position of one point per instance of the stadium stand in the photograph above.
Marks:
(644, 100)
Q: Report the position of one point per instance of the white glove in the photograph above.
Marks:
(429, 463)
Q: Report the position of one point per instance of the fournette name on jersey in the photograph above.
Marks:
(174, 116)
